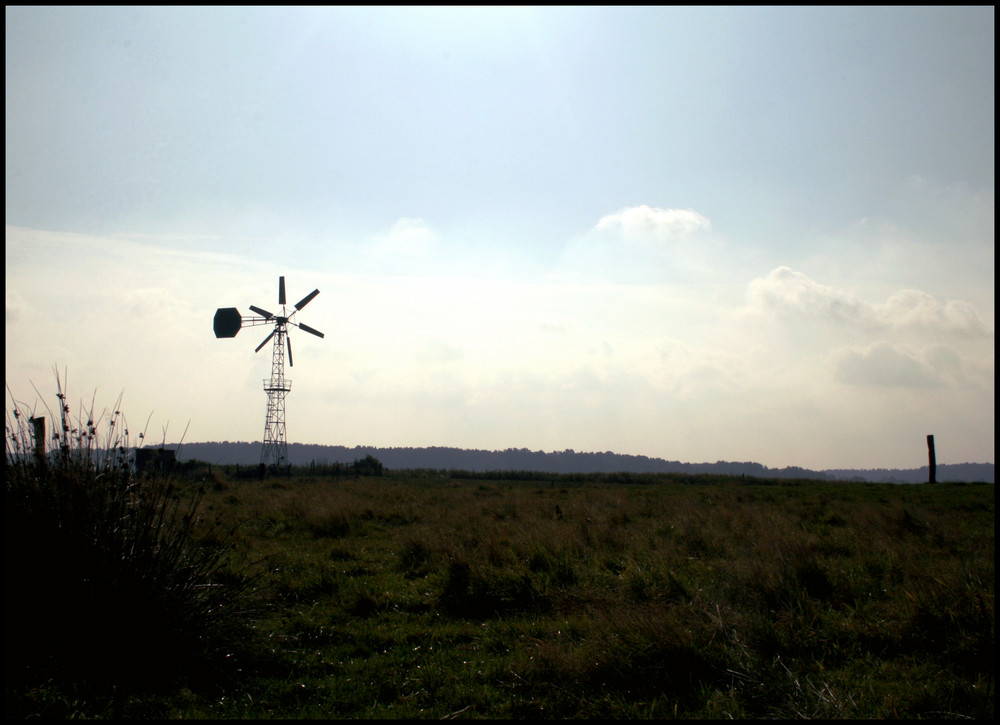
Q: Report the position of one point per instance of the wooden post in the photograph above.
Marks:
(39, 431)
(932, 461)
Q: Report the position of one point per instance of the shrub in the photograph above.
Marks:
(107, 581)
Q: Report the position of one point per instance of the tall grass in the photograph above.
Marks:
(107, 585)
(414, 597)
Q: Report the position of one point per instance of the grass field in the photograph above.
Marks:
(421, 594)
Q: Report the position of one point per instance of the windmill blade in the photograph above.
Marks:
(267, 315)
(266, 339)
(310, 330)
(281, 290)
(288, 341)
(306, 300)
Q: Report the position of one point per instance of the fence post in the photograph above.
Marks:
(932, 460)
(39, 430)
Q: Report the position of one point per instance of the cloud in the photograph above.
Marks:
(409, 247)
(641, 244)
(945, 362)
(790, 294)
(412, 237)
(883, 365)
(913, 308)
(652, 223)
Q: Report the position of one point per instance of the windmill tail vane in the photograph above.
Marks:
(228, 322)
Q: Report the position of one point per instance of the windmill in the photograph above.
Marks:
(228, 322)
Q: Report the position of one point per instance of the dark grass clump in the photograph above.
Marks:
(113, 583)
(476, 592)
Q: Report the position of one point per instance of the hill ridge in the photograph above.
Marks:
(566, 461)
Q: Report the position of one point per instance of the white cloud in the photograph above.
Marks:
(412, 237)
(934, 238)
(792, 295)
(644, 222)
(914, 308)
(788, 293)
(642, 245)
(409, 247)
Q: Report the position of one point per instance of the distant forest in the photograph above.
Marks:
(568, 461)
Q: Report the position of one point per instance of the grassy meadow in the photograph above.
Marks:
(432, 594)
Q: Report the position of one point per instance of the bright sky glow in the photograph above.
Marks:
(692, 233)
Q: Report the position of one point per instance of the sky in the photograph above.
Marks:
(698, 234)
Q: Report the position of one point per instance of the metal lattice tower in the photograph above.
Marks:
(228, 321)
(274, 452)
